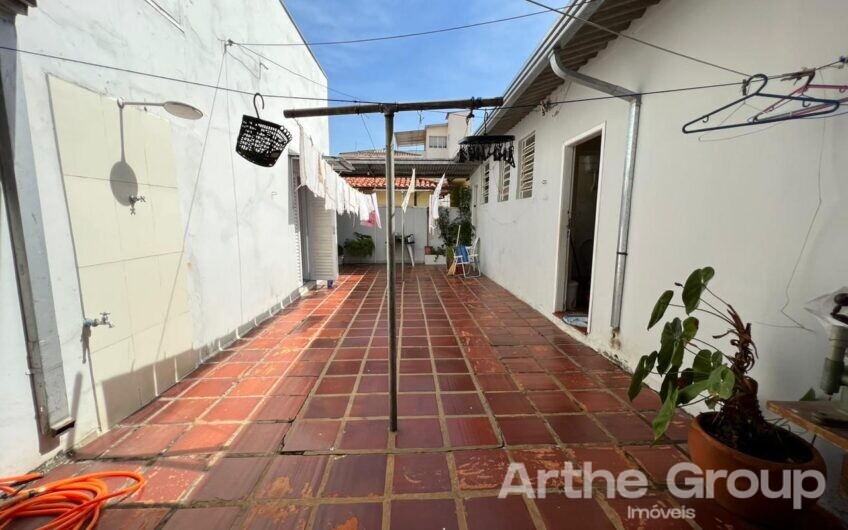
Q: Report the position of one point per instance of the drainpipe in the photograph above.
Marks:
(635, 101)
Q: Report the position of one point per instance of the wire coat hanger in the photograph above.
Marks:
(826, 106)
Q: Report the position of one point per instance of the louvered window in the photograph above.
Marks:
(486, 173)
(528, 156)
(506, 174)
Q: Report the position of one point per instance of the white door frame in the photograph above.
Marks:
(568, 148)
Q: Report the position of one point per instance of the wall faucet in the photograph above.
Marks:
(104, 320)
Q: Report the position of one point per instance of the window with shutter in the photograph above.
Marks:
(525, 176)
(486, 174)
(506, 174)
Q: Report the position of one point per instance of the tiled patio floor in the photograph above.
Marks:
(288, 428)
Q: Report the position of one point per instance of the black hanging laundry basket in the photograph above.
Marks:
(259, 141)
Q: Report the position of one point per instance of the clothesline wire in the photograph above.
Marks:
(413, 34)
(356, 101)
(170, 78)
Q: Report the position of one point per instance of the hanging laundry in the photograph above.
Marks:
(309, 156)
(330, 186)
(375, 211)
(409, 192)
(434, 206)
(364, 209)
(321, 186)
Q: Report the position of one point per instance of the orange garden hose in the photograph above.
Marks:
(75, 502)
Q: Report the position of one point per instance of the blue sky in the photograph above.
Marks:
(476, 62)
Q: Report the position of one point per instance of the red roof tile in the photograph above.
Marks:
(401, 183)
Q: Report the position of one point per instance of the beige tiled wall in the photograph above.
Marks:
(129, 265)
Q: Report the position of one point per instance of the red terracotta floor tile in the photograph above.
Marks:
(632, 520)
(277, 517)
(577, 381)
(168, 479)
(657, 460)
(228, 369)
(418, 433)
(312, 435)
(253, 386)
(209, 388)
(183, 410)
(292, 477)
(421, 473)
(577, 429)
(607, 458)
(365, 434)
(492, 513)
(343, 368)
(456, 383)
(416, 383)
(598, 401)
(135, 518)
(232, 409)
(359, 516)
(356, 476)
(424, 515)
(205, 518)
(417, 405)
(471, 432)
(627, 428)
(103, 442)
(558, 508)
(553, 402)
(496, 382)
(145, 413)
(280, 408)
(520, 430)
(147, 440)
(203, 438)
(336, 385)
(370, 405)
(503, 403)
(260, 438)
(230, 479)
(461, 404)
(535, 382)
(481, 468)
(541, 459)
(371, 384)
(332, 407)
(294, 386)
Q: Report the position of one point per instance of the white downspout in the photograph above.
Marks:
(635, 101)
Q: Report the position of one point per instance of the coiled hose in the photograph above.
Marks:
(74, 502)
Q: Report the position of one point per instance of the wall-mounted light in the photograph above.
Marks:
(174, 108)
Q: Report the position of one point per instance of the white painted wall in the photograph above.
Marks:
(415, 223)
(742, 204)
(240, 242)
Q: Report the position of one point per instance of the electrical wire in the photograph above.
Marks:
(169, 78)
(414, 34)
(640, 41)
(76, 503)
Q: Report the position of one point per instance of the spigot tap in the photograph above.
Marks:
(104, 320)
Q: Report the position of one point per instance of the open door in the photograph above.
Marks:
(583, 163)
(322, 243)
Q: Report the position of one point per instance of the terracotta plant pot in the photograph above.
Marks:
(428, 250)
(708, 453)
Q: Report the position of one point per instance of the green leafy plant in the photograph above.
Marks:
(461, 223)
(694, 371)
(361, 246)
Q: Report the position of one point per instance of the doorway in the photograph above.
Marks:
(580, 205)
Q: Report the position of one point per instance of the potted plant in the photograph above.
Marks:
(735, 435)
(360, 247)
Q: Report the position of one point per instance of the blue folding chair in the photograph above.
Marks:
(468, 259)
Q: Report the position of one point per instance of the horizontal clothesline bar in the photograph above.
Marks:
(391, 108)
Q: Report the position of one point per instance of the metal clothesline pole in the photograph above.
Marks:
(388, 110)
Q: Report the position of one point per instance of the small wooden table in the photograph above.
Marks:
(801, 413)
